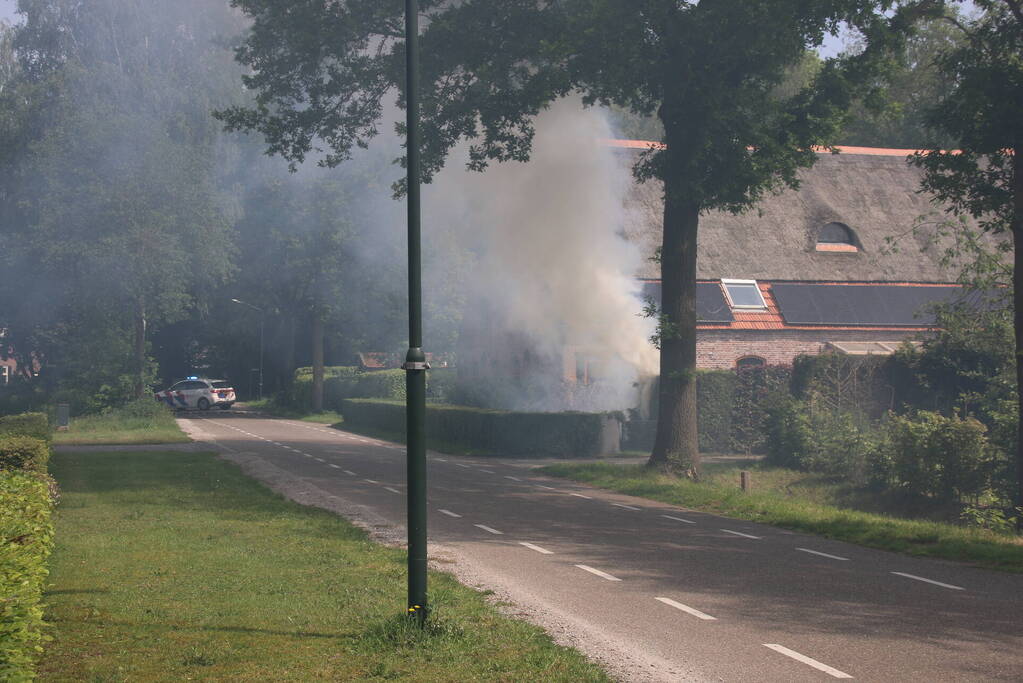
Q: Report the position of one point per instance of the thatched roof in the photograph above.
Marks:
(874, 192)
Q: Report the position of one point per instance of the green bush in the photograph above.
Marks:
(341, 382)
(928, 454)
(754, 389)
(35, 425)
(715, 395)
(493, 431)
(831, 443)
(26, 539)
(23, 453)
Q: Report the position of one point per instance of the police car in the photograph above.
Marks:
(194, 392)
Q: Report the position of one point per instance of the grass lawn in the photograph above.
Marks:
(119, 428)
(175, 566)
(791, 500)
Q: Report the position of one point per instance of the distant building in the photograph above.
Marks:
(835, 264)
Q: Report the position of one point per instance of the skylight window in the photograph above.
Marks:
(744, 295)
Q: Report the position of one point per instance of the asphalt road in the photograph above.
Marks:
(659, 592)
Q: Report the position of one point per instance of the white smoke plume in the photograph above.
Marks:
(553, 268)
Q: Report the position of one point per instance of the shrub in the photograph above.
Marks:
(26, 538)
(23, 453)
(341, 382)
(927, 454)
(789, 434)
(35, 425)
(826, 442)
(569, 434)
(715, 396)
(754, 388)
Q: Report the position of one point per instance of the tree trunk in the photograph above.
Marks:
(317, 364)
(140, 349)
(676, 446)
(288, 370)
(1017, 301)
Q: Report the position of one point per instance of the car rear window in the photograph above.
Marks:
(221, 385)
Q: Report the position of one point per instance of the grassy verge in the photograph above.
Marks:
(926, 538)
(268, 406)
(122, 427)
(175, 566)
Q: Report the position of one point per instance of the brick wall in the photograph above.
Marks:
(720, 349)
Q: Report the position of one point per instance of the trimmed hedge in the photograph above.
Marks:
(341, 382)
(23, 453)
(571, 434)
(26, 540)
(35, 425)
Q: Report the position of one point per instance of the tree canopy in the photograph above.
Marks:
(710, 72)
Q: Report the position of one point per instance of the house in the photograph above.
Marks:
(849, 262)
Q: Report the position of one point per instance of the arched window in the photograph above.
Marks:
(836, 237)
(750, 362)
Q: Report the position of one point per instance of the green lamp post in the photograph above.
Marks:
(415, 360)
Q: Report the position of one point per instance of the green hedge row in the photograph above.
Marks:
(26, 539)
(498, 432)
(343, 382)
(23, 453)
(36, 425)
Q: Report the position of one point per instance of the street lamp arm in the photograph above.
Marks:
(243, 303)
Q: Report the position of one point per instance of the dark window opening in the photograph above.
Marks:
(750, 362)
(836, 233)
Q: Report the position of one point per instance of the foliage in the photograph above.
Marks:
(756, 388)
(23, 453)
(896, 115)
(929, 455)
(840, 383)
(710, 71)
(496, 432)
(26, 539)
(36, 425)
(817, 441)
(982, 178)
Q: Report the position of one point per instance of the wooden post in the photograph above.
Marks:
(744, 481)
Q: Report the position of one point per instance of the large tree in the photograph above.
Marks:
(709, 70)
(119, 218)
(983, 111)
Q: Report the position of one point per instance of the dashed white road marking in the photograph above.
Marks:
(440, 459)
(627, 507)
(449, 513)
(371, 481)
(603, 575)
(542, 551)
(739, 533)
(549, 488)
(461, 465)
(579, 495)
(685, 608)
(486, 528)
(512, 478)
(336, 467)
(816, 552)
(679, 519)
(831, 671)
(388, 488)
(936, 583)
(319, 460)
(488, 471)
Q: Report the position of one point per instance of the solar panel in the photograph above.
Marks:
(882, 305)
(711, 306)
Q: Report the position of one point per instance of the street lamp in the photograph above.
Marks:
(257, 308)
(415, 360)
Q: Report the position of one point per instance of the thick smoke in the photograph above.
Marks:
(552, 301)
